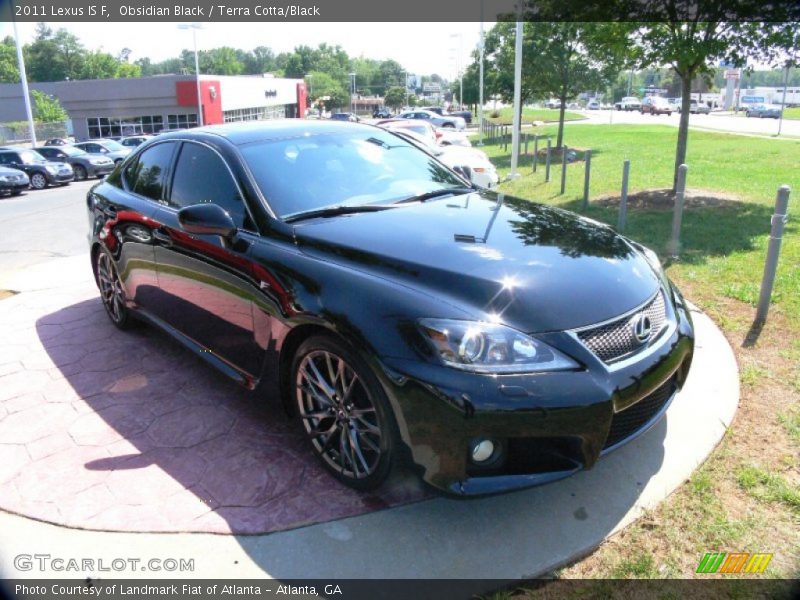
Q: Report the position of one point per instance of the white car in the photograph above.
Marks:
(629, 103)
(456, 123)
(482, 171)
(448, 137)
(593, 105)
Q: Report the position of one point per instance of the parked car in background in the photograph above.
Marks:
(423, 128)
(13, 181)
(437, 109)
(437, 120)
(552, 103)
(401, 316)
(698, 108)
(381, 113)
(764, 111)
(57, 142)
(451, 137)
(83, 164)
(593, 105)
(107, 147)
(344, 116)
(134, 140)
(656, 105)
(42, 172)
(464, 114)
(628, 103)
(470, 162)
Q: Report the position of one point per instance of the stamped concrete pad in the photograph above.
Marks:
(127, 431)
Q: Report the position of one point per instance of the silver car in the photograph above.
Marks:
(437, 120)
(764, 111)
(108, 148)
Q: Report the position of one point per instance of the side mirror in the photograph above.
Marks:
(206, 219)
(465, 171)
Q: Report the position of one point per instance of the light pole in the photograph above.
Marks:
(458, 68)
(194, 27)
(24, 80)
(517, 95)
(783, 100)
(480, 84)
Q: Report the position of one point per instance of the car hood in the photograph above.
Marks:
(539, 268)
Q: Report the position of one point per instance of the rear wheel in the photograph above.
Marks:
(80, 172)
(344, 412)
(38, 181)
(111, 292)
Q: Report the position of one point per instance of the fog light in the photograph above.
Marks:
(482, 450)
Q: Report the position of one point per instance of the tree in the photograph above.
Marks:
(54, 56)
(9, 73)
(47, 108)
(220, 61)
(99, 65)
(692, 43)
(324, 88)
(395, 97)
(560, 59)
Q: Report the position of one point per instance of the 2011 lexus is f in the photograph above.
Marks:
(402, 315)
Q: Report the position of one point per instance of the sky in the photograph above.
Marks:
(422, 48)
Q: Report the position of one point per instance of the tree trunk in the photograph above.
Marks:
(683, 127)
(563, 99)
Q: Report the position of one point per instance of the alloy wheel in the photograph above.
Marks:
(339, 415)
(38, 181)
(111, 291)
(80, 172)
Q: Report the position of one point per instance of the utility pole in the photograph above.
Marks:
(517, 94)
(24, 80)
(480, 85)
(194, 27)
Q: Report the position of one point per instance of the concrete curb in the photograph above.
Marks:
(519, 535)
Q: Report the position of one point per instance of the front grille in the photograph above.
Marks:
(627, 422)
(616, 340)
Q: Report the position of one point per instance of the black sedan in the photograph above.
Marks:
(42, 172)
(13, 181)
(83, 164)
(403, 316)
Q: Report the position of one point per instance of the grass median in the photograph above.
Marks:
(505, 115)
(746, 497)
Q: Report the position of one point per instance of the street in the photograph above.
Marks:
(41, 225)
(717, 121)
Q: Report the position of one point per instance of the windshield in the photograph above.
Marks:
(113, 146)
(366, 166)
(30, 156)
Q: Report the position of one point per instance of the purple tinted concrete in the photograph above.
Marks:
(127, 431)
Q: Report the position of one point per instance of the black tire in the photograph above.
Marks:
(80, 172)
(117, 162)
(350, 426)
(449, 126)
(38, 181)
(112, 293)
(15, 193)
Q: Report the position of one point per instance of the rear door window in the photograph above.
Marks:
(148, 175)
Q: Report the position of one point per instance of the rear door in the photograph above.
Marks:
(206, 282)
(124, 211)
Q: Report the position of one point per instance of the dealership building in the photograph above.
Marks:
(114, 107)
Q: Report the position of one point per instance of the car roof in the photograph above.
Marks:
(257, 131)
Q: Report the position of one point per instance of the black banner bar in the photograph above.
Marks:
(231, 11)
(395, 589)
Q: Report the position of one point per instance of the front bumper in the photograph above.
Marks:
(550, 425)
(60, 177)
(99, 170)
(14, 186)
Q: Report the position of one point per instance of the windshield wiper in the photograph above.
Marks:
(332, 211)
(436, 194)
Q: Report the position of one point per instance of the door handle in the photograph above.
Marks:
(162, 237)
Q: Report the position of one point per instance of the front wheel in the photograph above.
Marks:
(344, 412)
(80, 172)
(38, 181)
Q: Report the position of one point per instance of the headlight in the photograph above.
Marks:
(50, 169)
(98, 161)
(491, 348)
(6, 178)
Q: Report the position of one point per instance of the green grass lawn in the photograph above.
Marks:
(529, 115)
(746, 496)
(723, 246)
(792, 113)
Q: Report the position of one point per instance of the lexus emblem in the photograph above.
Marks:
(642, 328)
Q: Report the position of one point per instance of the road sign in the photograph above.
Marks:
(752, 99)
(732, 74)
